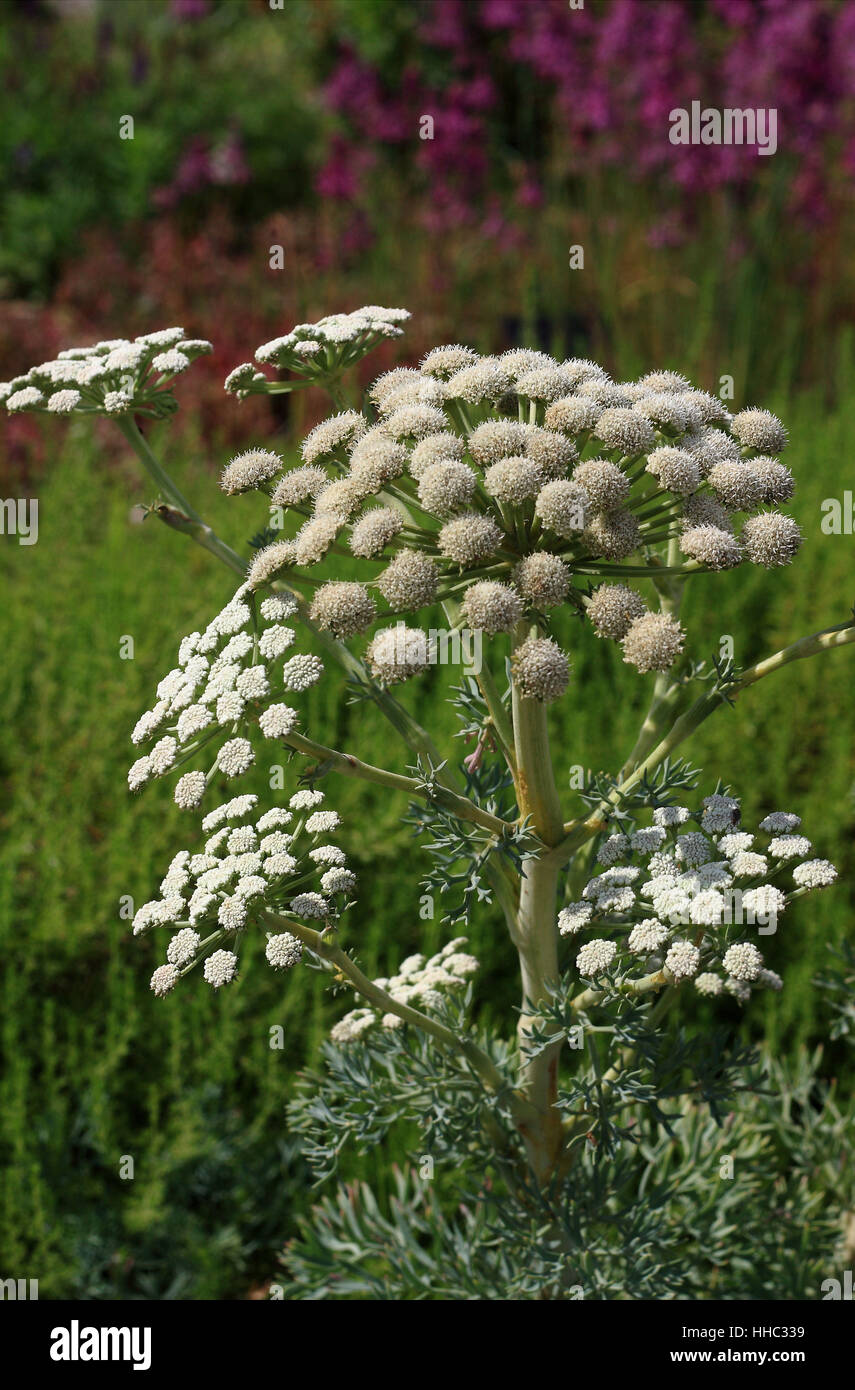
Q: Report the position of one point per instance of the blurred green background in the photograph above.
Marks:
(300, 128)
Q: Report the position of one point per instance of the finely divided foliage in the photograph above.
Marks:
(520, 493)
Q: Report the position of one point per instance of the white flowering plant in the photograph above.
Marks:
(516, 492)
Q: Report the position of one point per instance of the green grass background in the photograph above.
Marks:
(94, 1069)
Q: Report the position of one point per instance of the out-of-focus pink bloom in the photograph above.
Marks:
(228, 162)
(529, 192)
(189, 9)
(200, 166)
(605, 84)
(342, 174)
(666, 231)
(444, 25)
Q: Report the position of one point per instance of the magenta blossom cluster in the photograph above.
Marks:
(604, 80)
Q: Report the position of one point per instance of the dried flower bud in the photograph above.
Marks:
(373, 531)
(249, 470)
(771, 539)
(469, 539)
(604, 483)
(513, 480)
(737, 485)
(760, 430)
(540, 668)
(573, 414)
(653, 642)
(298, 485)
(409, 581)
(614, 535)
(675, 470)
(711, 546)
(543, 579)
(446, 487)
(626, 430)
(343, 608)
(563, 507)
(613, 609)
(397, 653)
(491, 607)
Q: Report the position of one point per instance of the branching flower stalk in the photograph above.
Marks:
(522, 1110)
(525, 496)
(578, 833)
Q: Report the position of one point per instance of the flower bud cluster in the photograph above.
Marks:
(419, 982)
(114, 378)
(681, 898)
(506, 483)
(250, 866)
(227, 687)
(317, 351)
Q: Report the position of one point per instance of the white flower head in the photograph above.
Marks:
(709, 984)
(735, 843)
(573, 917)
(647, 936)
(682, 960)
(338, 880)
(164, 979)
(183, 946)
(235, 757)
(309, 905)
(320, 822)
(789, 847)
(305, 800)
(764, 903)
(814, 873)
(668, 816)
(743, 961)
(595, 957)
(190, 789)
(708, 908)
(220, 968)
(746, 864)
(284, 951)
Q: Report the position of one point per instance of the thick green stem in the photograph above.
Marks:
(535, 934)
(825, 641)
(665, 697)
(502, 726)
(665, 692)
(574, 1126)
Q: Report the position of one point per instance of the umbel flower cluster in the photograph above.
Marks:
(505, 486)
(681, 897)
(315, 352)
(419, 981)
(223, 688)
(280, 861)
(118, 377)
